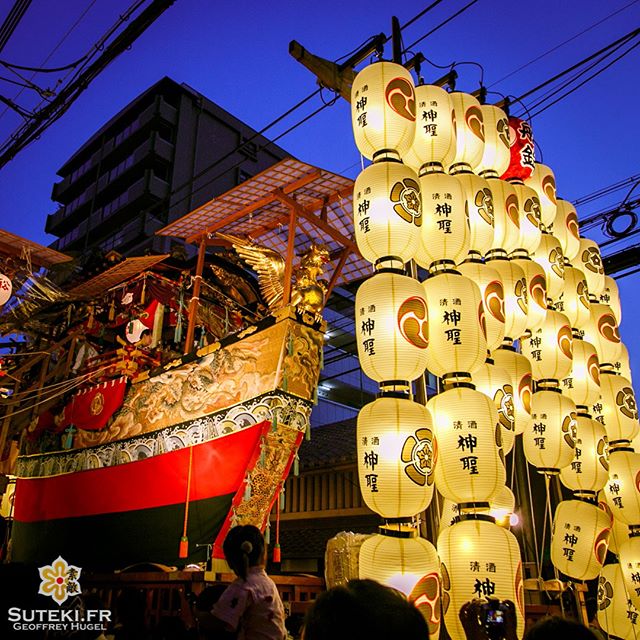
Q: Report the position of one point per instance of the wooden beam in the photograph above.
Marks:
(195, 297)
(336, 272)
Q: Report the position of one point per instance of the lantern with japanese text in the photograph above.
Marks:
(457, 339)
(530, 231)
(492, 292)
(566, 229)
(629, 555)
(445, 230)
(514, 286)
(469, 131)
(470, 466)
(610, 295)
(622, 490)
(543, 182)
(602, 332)
(582, 384)
(616, 614)
(619, 530)
(435, 137)
(6, 288)
(383, 110)
(387, 212)
(589, 470)
(506, 216)
(573, 301)
(479, 560)
(619, 407)
(589, 261)
(409, 564)
(622, 364)
(391, 327)
(396, 456)
(521, 149)
(496, 155)
(579, 539)
(519, 369)
(536, 288)
(549, 256)
(549, 437)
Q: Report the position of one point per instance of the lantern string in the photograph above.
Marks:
(533, 523)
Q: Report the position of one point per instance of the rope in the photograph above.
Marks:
(533, 525)
(184, 541)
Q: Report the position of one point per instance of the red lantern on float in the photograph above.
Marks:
(523, 157)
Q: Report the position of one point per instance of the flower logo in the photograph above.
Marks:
(420, 453)
(426, 597)
(503, 399)
(532, 210)
(591, 260)
(484, 205)
(406, 196)
(605, 593)
(401, 98)
(59, 580)
(626, 401)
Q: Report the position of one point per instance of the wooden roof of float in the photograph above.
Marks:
(41, 256)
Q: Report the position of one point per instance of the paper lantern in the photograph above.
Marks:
(519, 369)
(479, 205)
(495, 383)
(619, 407)
(543, 182)
(622, 490)
(536, 289)
(492, 292)
(522, 152)
(602, 332)
(582, 384)
(445, 229)
(391, 327)
(589, 470)
(616, 614)
(6, 288)
(387, 212)
(630, 564)
(611, 296)
(435, 136)
(469, 131)
(549, 437)
(579, 539)
(479, 559)
(469, 440)
(619, 530)
(383, 110)
(457, 338)
(589, 261)
(506, 216)
(574, 299)
(496, 155)
(514, 286)
(502, 507)
(622, 364)
(410, 565)
(449, 514)
(396, 457)
(549, 256)
(566, 229)
(530, 231)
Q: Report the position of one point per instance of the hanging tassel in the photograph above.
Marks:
(281, 500)
(274, 422)
(247, 490)
(112, 310)
(285, 382)
(314, 397)
(307, 433)
(290, 345)
(183, 549)
(263, 454)
(267, 533)
(90, 321)
(144, 290)
(177, 334)
(296, 466)
(277, 556)
(321, 358)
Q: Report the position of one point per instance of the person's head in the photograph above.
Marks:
(363, 609)
(556, 628)
(243, 548)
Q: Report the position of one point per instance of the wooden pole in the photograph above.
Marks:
(291, 244)
(195, 297)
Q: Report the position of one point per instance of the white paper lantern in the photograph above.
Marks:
(496, 155)
(514, 286)
(616, 614)
(619, 530)
(622, 491)
(383, 110)
(582, 384)
(396, 457)
(6, 288)
(622, 364)
(630, 564)
(536, 289)
(391, 327)
(435, 137)
(579, 539)
(530, 231)
(470, 466)
(479, 560)
(574, 298)
(589, 469)
(590, 261)
(387, 211)
(543, 182)
(619, 407)
(457, 338)
(469, 131)
(566, 229)
(506, 216)
(549, 438)
(611, 296)
(549, 256)
(501, 508)
(519, 369)
(602, 332)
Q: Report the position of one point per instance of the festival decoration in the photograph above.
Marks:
(582, 383)
(514, 286)
(496, 155)
(543, 182)
(619, 407)
(506, 217)
(629, 555)
(610, 295)
(522, 152)
(602, 332)
(566, 229)
(616, 614)
(589, 261)
(549, 256)
(622, 491)
(519, 369)
(536, 284)
(469, 131)
(6, 288)
(573, 300)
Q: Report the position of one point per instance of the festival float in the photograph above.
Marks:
(162, 400)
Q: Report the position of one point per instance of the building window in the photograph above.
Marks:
(243, 176)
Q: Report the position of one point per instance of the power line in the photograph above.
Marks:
(605, 191)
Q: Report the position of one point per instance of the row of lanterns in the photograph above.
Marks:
(517, 319)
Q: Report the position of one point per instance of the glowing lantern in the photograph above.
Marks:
(582, 384)
(410, 565)
(549, 348)
(396, 455)
(565, 228)
(619, 530)
(602, 332)
(622, 490)
(543, 182)
(589, 469)
(530, 232)
(522, 160)
(479, 201)
(579, 539)
(506, 216)
(387, 212)
(435, 136)
(495, 383)
(549, 438)
(574, 299)
(457, 338)
(492, 292)
(391, 327)
(449, 514)
(502, 507)
(514, 286)
(479, 559)
(536, 288)
(616, 614)
(6, 288)
(383, 110)
(470, 466)
(589, 261)
(611, 296)
(445, 230)
(630, 565)
(519, 369)
(622, 364)
(496, 156)
(469, 131)
(619, 407)
(549, 256)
